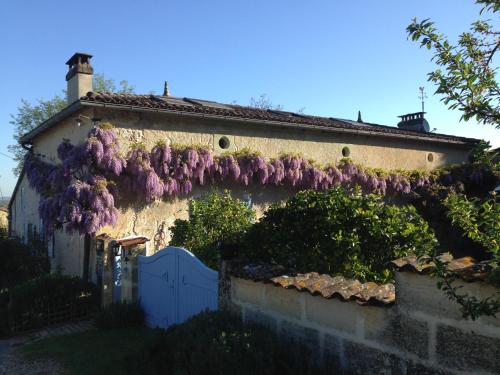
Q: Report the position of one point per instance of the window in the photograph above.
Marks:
(430, 157)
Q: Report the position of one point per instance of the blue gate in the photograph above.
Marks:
(174, 285)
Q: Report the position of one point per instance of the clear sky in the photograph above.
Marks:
(331, 58)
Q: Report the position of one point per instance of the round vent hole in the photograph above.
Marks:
(224, 142)
(346, 152)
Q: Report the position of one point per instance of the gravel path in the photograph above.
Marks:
(13, 363)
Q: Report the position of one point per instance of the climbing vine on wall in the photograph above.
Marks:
(80, 192)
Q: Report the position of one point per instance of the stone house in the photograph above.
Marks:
(222, 127)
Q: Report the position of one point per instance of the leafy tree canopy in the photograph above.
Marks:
(466, 76)
(30, 115)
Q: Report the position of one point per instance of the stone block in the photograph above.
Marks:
(365, 360)
(246, 291)
(467, 351)
(414, 368)
(258, 317)
(287, 302)
(416, 292)
(296, 335)
(402, 333)
(234, 308)
(332, 354)
(333, 313)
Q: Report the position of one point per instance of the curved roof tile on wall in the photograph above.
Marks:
(466, 268)
(316, 284)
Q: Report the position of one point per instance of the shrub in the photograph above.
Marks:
(479, 220)
(334, 232)
(214, 218)
(17, 264)
(3, 233)
(219, 343)
(48, 299)
(120, 315)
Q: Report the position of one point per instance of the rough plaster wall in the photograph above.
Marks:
(323, 147)
(155, 219)
(47, 142)
(423, 333)
(68, 254)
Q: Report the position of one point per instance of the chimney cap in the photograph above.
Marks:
(414, 122)
(413, 115)
(79, 63)
(79, 58)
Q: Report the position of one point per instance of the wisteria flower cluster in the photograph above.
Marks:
(81, 191)
(78, 192)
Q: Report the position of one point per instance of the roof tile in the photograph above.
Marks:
(235, 111)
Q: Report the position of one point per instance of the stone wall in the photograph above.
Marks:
(422, 333)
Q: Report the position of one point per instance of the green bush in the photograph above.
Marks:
(17, 264)
(334, 232)
(32, 303)
(214, 219)
(3, 233)
(218, 343)
(120, 315)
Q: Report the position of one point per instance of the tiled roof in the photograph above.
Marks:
(324, 285)
(209, 108)
(125, 242)
(466, 268)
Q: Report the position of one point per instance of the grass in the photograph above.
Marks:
(93, 352)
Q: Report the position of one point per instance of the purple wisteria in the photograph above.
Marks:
(75, 192)
(81, 191)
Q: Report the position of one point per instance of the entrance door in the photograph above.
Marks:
(175, 285)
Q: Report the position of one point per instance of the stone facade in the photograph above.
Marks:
(153, 220)
(409, 337)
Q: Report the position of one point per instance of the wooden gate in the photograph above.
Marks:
(175, 285)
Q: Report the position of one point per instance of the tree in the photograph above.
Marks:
(263, 102)
(30, 115)
(101, 84)
(467, 79)
(468, 83)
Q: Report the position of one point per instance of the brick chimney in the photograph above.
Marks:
(79, 76)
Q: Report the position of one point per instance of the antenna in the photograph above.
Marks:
(7, 156)
(422, 96)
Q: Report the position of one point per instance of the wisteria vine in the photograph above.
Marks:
(81, 191)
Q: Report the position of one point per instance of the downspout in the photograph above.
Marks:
(86, 257)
